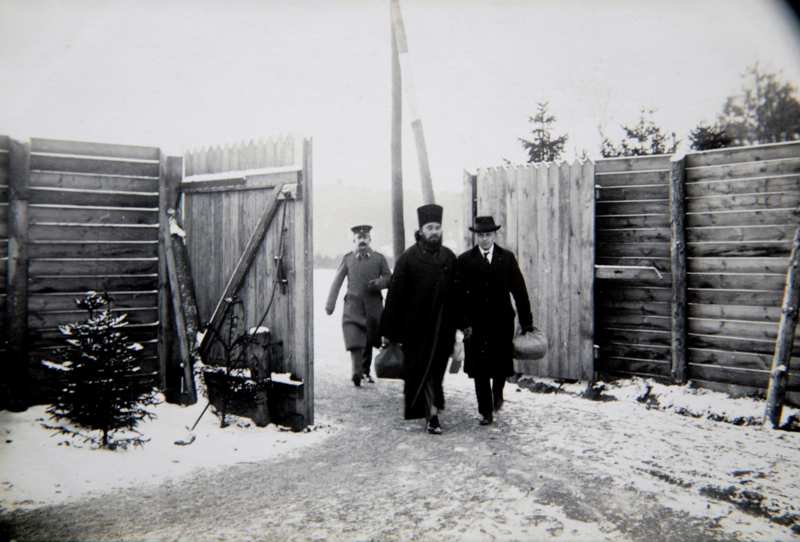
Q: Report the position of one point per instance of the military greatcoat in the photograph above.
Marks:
(367, 274)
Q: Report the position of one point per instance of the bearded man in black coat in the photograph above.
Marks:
(488, 276)
(420, 314)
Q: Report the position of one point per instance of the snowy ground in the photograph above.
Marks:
(554, 466)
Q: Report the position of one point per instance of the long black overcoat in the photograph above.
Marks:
(486, 290)
(422, 288)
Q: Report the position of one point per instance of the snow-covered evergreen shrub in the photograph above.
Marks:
(103, 389)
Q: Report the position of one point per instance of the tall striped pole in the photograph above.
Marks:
(416, 122)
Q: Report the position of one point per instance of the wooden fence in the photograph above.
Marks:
(547, 217)
(226, 192)
(718, 307)
(79, 216)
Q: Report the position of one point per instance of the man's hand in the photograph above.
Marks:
(467, 332)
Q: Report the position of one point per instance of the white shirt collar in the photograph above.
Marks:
(489, 253)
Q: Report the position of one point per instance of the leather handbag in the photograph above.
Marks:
(529, 348)
(389, 362)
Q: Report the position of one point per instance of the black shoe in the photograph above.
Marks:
(368, 378)
(433, 426)
(357, 381)
(485, 420)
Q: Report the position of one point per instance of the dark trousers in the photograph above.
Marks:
(362, 360)
(490, 394)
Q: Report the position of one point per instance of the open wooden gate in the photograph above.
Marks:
(247, 216)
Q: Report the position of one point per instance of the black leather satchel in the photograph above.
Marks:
(389, 362)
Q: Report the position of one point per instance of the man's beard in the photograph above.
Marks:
(432, 243)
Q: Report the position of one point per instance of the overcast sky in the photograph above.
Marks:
(181, 74)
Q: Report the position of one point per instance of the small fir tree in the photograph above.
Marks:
(641, 139)
(543, 146)
(103, 388)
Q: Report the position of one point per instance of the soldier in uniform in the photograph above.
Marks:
(367, 274)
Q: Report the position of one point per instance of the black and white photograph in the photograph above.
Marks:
(399, 270)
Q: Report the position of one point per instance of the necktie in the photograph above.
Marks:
(486, 256)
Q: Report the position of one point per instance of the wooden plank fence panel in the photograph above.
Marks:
(94, 182)
(735, 155)
(615, 165)
(57, 146)
(71, 164)
(80, 214)
(71, 232)
(64, 196)
(786, 183)
(783, 166)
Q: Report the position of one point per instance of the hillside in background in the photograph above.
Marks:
(338, 207)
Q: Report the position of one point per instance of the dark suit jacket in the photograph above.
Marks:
(485, 297)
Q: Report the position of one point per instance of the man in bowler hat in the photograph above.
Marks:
(367, 274)
(487, 274)
(421, 315)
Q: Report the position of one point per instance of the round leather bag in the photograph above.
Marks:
(530, 346)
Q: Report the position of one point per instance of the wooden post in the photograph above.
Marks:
(783, 345)
(171, 184)
(398, 225)
(470, 207)
(17, 274)
(416, 123)
(166, 342)
(678, 260)
(308, 218)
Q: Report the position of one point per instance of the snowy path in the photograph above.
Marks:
(554, 467)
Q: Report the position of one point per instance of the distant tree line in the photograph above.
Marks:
(766, 110)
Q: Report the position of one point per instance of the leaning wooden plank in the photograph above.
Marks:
(786, 337)
(612, 165)
(752, 185)
(745, 169)
(94, 249)
(77, 214)
(75, 232)
(753, 153)
(109, 150)
(242, 266)
(64, 196)
(93, 182)
(94, 166)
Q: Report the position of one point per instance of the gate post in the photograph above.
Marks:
(17, 274)
(677, 207)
